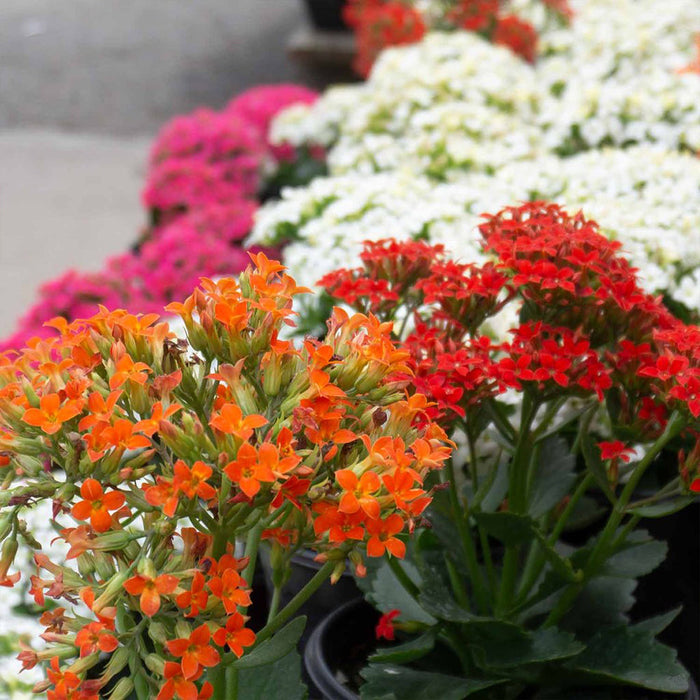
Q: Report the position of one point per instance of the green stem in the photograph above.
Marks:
(517, 500)
(295, 603)
(609, 538)
(217, 677)
(275, 602)
(403, 578)
(251, 551)
(585, 484)
(460, 514)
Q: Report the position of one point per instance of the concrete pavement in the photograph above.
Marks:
(84, 87)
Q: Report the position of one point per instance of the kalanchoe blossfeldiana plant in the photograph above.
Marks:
(499, 600)
(167, 463)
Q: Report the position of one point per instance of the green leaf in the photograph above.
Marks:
(585, 513)
(280, 680)
(623, 654)
(663, 508)
(493, 490)
(275, 648)
(639, 557)
(408, 651)
(536, 647)
(401, 683)
(560, 565)
(595, 466)
(554, 478)
(509, 528)
(384, 591)
(656, 625)
(604, 600)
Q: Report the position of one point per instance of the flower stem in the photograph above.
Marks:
(295, 603)
(275, 602)
(404, 579)
(609, 538)
(460, 514)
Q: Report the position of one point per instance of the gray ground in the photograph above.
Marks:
(84, 85)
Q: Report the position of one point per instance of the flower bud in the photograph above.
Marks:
(147, 569)
(155, 664)
(122, 689)
(117, 661)
(182, 629)
(85, 663)
(112, 541)
(86, 565)
(113, 589)
(158, 633)
(103, 566)
(9, 550)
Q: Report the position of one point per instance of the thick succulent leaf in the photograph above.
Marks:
(554, 478)
(509, 528)
(622, 654)
(408, 651)
(402, 683)
(274, 648)
(640, 555)
(663, 508)
(604, 600)
(656, 625)
(535, 647)
(384, 591)
(280, 680)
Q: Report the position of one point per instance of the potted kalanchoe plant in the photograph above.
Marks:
(168, 461)
(563, 383)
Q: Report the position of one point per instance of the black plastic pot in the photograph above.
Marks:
(327, 15)
(326, 599)
(339, 646)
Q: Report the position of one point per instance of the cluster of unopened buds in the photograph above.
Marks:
(162, 457)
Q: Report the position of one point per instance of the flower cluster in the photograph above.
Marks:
(649, 207)
(614, 77)
(584, 331)
(379, 24)
(158, 455)
(205, 171)
(576, 291)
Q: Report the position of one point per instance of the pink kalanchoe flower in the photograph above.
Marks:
(259, 105)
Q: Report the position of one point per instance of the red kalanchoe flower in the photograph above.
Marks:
(518, 35)
(385, 628)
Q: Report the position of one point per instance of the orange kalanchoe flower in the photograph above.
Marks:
(150, 590)
(195, 651)
(382, 537)
(63, 681)
(339, 526)
(235, 635)
(228, 589)
(247, 471)
(101, 410)
(230, 420)
(165, 493)
(51, 415)
(357, 492)
(178, 686)
(196, 598)
(128, 370)
(150, 426)
(95, 636)
(193, 482)
(97, 505)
